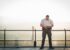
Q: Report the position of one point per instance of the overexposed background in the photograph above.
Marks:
(23, 14)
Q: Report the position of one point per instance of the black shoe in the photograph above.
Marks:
(41, 47)
(51, 48)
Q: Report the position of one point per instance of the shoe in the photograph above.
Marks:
(41, 47)
(51, 48)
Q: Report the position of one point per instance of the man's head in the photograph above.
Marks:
(47, 17)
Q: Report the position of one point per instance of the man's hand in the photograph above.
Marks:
(45, 27)
(49, 27)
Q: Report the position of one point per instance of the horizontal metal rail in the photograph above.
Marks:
(32, 30)
(34, 35)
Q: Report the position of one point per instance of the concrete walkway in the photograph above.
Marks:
(34, 49)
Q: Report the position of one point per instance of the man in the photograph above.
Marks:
(46, 25)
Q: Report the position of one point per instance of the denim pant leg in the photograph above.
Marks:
(43, 37)
(49, 38)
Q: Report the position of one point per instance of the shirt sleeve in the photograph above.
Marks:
(41, 22)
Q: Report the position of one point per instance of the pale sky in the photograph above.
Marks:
(23, 14)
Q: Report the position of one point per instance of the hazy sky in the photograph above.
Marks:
(21, 14)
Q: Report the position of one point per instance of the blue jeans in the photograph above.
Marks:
(48, 32)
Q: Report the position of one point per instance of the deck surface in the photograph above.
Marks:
(34, 49)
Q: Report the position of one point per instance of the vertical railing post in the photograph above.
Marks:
(65, 37)
(35, 39)
(4, 38)
(32, 34)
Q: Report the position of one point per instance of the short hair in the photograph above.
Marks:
(47, 15)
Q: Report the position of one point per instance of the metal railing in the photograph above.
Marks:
(34, 35)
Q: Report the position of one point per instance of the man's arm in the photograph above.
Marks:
(41, 24)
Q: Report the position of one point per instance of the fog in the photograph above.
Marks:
(23, 14)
